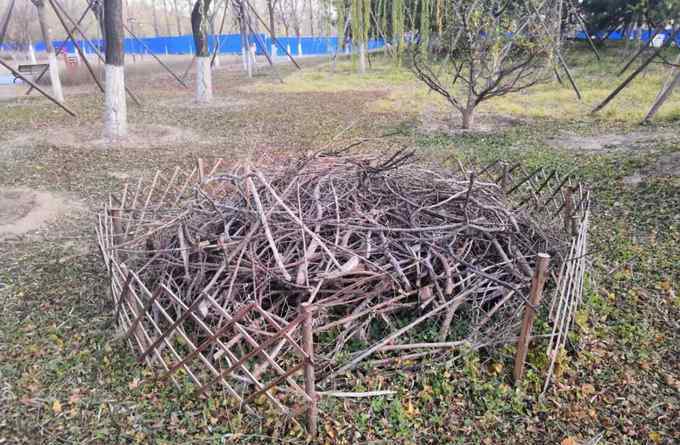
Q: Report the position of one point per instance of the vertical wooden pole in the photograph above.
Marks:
(568, 210)
(504, 178)
(310, 387)
(535, 294)
(118, 233)
(200, 164)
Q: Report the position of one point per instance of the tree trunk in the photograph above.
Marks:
(245, 47)
(31, 52)
(468, 115)
(115, 108)
(199, 28)
(311, 19)
(154, 17)
(177, 18)
(166, 13)
(55, 81)
(271, 4)
(362, 58)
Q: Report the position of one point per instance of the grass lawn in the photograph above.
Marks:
(66, 377)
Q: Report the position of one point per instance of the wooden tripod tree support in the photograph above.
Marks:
(40, 90)
(219, 33)
(635, 73)
(55, 4)
(665, 93)
(57, 8)
(263, 47)
(156, 58)
(535, 294)
(307, 312)
(276, 41)
(62, 46)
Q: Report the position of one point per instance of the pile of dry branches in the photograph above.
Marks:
(393, 256)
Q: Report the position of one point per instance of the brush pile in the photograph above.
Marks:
(393, 256)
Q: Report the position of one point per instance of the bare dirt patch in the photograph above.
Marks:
(667, 165)
(140, 136)
(435, 122)
(24, 210)
(608, 142)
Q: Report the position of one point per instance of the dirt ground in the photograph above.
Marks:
(24, 210)
(66, 376)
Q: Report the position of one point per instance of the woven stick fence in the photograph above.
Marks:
(268, 285)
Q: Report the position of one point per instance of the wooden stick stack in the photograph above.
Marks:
(211, 270)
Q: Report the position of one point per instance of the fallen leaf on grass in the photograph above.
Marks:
(587, 389)
(569, 441)
(654, 437)
(56, 407)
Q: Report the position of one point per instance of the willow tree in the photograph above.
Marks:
(489, 48)
(53, 68)
(200, 27)
(361, 22)
(425, 24)
(115, 106)
(398, 20)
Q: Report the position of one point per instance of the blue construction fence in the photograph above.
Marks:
(633, 35)
(228, 44)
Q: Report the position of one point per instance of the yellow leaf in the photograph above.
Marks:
(587, 389)
(410, 409)
(569, 441)
(329, 431)
(134, 383)
(497, 368)
(655, 437)
(56, 406)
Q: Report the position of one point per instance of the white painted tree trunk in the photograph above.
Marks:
(204, 91)
(57, 91)
(288, 48)
(362, 58)
(31, 53)
(299, 49)
(244, 57)
(253, 61)
(218, 62)
(273, 50)
(115, 117)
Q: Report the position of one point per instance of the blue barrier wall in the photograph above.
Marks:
(228, 44)
(618, 35)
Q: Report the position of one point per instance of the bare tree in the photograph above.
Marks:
(115, 114)
(166, 14)
(271, 10)
(489, 48)
(154, 17)
(55, 81)
(291, 17)
(178, 17)
(200, 27)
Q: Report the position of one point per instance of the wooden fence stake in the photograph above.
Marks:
(200, 164)
(118, 233)
(568, 211)
(310, 387)
(537, 283)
